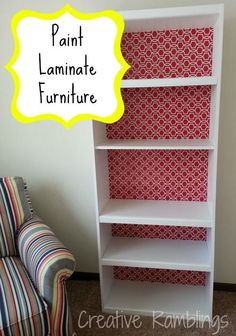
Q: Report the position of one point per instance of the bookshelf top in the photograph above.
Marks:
(172, 18)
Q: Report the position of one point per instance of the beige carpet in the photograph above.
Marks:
(84, 299)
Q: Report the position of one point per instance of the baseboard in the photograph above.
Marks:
(84, 276)
(227, 287)
(219, 286)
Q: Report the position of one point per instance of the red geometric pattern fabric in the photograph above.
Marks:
(158, 231)
(177, 175)
(169, 53)
(164, 113)
(159, 275)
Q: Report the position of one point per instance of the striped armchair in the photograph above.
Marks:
(34, 265)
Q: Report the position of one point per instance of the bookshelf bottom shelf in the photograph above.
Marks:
(146, 298)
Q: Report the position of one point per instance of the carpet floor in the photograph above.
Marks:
(85, 304)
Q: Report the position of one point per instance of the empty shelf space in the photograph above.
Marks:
(196, 214)
(157, 253)
(164, 82)
(147, 298)
(161, 144)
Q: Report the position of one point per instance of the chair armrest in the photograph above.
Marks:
(49, 264)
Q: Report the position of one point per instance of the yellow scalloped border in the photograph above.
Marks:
(117, 18)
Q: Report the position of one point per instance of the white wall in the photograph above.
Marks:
(56, 162)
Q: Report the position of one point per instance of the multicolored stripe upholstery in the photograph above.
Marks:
(49, 264)
(36, 305)
(22, 310)
(15, 209)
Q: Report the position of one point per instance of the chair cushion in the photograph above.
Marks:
(22, 310)
(15, 209)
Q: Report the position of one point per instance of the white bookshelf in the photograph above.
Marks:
(146, 297)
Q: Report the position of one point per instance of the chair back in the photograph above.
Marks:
(15, 209)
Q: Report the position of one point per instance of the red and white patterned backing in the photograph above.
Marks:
(158, 231)
(164, 113)
(159, 275)
(169, 53)
(179, 175)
